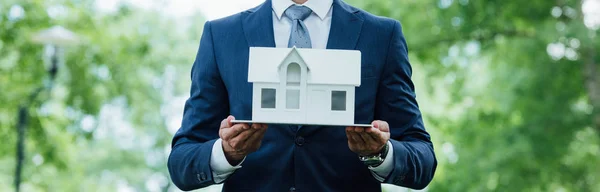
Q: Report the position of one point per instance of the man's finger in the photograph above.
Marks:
(258, 134)
(258, 126)
(381, 125)
(367, 138)
(368, 135)
(359, 129)
(369, 141)
(262, 126)
(349, 129)
(256, 137)
(375, 133)
(239, 141)
(352, 144)
(226, 123)
(229, 119)
(356, 138)
(234, 131)
(349, 132)
(223, 123)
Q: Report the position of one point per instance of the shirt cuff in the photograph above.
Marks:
(382, 171)
(221, 169)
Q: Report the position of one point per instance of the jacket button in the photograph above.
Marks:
(201, 176)
(300, 140)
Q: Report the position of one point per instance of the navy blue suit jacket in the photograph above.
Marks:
(321, 160)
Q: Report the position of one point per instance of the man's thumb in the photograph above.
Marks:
(226, 123)
(381, 125)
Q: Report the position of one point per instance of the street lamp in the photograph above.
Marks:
(53, 39)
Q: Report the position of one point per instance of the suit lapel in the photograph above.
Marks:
(257, 24)
(345, 26)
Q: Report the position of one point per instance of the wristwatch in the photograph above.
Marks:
(377, 159)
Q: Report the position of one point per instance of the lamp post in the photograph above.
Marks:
(53, 39)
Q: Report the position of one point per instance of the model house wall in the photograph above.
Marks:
(303, 86)
(330, 105)
(325, 105)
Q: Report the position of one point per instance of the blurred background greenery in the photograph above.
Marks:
(510, 92)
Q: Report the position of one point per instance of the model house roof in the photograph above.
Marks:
(325, 66)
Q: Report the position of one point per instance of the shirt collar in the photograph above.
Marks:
(319, 7)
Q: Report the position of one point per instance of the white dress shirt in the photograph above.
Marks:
(318, 25)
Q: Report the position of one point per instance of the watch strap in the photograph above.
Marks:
(376, 160)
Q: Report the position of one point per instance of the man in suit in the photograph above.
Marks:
(208, 149)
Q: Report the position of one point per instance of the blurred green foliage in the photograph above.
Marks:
(510, 91)
(103, 125)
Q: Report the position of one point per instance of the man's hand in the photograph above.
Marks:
(368, 141)
(240, 140)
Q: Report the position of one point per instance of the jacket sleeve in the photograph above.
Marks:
(414, 157)
(206, 107)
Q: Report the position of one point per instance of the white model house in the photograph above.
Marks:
(303, 86)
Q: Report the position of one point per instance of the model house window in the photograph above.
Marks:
(293, 74)
(292, 94)
(267, 98)
(338, 100)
